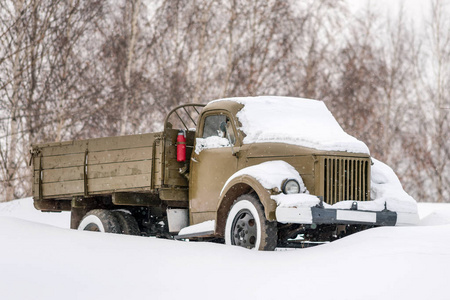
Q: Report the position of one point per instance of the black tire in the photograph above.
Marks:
(100, 220)
(128, 223)
(248, 227)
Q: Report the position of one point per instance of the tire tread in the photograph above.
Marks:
(128, 223)
(107, 218)
(269, 232)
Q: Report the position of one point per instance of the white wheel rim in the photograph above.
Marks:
(91, 219)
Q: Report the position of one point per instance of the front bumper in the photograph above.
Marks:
(319, 215)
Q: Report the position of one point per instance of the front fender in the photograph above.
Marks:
(238, 186)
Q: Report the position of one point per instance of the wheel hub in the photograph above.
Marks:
(244, 230)
(92, 227)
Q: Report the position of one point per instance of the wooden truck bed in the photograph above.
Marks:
(97, 166)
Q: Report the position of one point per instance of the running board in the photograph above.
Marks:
(201, 230)
(204, 234)
(299, 244)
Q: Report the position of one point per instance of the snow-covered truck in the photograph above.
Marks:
(257, 172)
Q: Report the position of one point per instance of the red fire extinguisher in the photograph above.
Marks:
(181, 146)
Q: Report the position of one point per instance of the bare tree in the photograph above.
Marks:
(361, 73)
(433, 93)
(41, 80)
(13, 64)
(80, 69)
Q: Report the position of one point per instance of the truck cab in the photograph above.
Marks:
(291, 163)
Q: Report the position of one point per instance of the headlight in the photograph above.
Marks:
(291, 186)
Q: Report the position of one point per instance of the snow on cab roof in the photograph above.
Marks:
(296, 121)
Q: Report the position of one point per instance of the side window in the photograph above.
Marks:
(217, 133)
(213, 126)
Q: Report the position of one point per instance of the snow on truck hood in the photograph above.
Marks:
(297, 121)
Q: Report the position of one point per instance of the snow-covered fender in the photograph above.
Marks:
(263, 179)
(238, 186)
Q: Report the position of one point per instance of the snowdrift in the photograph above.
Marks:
(45, 262)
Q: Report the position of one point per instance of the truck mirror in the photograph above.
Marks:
(230, 133)
(223, 126)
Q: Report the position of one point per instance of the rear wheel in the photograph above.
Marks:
(100, 220)
(248, 227)
(128, 224)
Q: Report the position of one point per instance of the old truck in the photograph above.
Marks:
(257, 172)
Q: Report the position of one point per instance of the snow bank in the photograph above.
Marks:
(43, 262)
(24, 209)
(432, 214)
(271, 174)
(296, 121)
(436, 218)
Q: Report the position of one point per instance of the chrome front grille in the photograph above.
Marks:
(346, 178)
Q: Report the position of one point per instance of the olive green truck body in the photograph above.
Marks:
(140, 174)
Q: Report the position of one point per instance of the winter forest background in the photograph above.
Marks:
(78, 69)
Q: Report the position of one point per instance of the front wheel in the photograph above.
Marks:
(248, 227)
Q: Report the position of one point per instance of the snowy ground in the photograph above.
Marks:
(40, 258)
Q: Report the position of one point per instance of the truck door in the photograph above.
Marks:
(212, 163)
